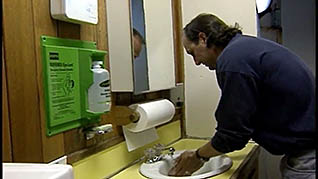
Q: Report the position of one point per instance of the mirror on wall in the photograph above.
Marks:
(153, 69)
(141, 81)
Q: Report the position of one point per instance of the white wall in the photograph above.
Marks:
(298, 25)
(201, 90)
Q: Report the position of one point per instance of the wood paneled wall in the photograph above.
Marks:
(21, 72)
(177, 34)
(24, 138)
(6, 137)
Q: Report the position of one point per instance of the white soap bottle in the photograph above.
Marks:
(99, 95)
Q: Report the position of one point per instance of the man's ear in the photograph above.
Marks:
(202, 37)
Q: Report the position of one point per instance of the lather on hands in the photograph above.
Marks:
(186, 164)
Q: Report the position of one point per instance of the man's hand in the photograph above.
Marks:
(186, 164)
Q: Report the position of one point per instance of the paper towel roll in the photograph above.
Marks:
(151, 114)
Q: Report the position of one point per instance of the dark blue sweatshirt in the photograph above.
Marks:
(268, 94)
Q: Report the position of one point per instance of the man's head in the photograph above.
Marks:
(138, 40)
(205, 37)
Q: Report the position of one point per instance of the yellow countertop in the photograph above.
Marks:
(188, 144)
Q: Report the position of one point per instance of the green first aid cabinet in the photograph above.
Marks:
(67, 76)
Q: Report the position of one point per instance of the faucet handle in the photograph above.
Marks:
(151, 154)
(154, 154)
(159, 148)
(171, 151)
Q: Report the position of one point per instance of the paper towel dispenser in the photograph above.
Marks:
(75, 11)
(76, 85)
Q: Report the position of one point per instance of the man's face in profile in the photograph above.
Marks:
(137, 46)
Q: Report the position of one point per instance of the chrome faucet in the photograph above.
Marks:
(97, 130)
(155, 154)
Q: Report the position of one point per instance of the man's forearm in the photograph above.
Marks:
(208, 151)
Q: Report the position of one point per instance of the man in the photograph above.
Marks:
(267, 95)
(138, 41)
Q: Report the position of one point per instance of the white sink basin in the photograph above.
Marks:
(37, 171)
(159, 170)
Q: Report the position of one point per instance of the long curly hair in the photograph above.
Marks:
(217, 32)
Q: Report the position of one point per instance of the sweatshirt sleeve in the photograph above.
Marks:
(235, 111)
